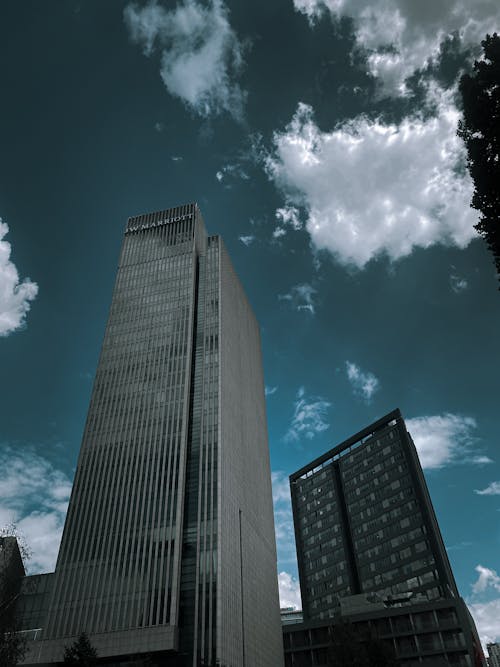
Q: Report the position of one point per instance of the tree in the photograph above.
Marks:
(480, 130)
(81, 653)
(13, 551)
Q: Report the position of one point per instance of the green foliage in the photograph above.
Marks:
(81, 653)
(480, 130)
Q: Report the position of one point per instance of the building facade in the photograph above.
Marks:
(493, 654)
(428, 633)
(168, 547)
(364, 523)
(370, 552)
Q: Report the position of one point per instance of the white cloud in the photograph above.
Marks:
(285, 540)
(288, 217)
(289, 588)
(444, 439)
(34, 495)
(15, 296)
(459, 546)
(486, 616)
(233, 170)
(176, 158)
(281, 487)
(283, 519)
(457, 283)
(492, 489)
(247, 240)
(309, 414)
(480, 460)
(402, 36)
(279, 232)
(364, 384)
(370, 189)
(487, 579)
(200, 52)
(301, 297)
(269, 391)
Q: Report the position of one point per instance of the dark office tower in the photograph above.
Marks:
(168, 547)
(364, 523)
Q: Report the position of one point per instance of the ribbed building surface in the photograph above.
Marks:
(169, 545)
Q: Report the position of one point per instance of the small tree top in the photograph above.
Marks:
(81, 653)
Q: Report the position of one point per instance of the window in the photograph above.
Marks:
(424, 621)
(402, 624)
(453, 639)
(429, 642)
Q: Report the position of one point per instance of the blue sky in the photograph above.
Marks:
(319, 139)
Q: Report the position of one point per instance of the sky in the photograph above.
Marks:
(319, 139)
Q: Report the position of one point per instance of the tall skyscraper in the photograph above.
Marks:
(364, 522)
(168, 547)
(370, 552)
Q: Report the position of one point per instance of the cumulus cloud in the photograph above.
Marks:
(492, 489)
(364, 383)
(480, 460)
(444, 439)
(486, 613)
(370, 188)
(301, 297)
(403, 36)
(457, 283)
(200, 52)
(247, 240)
(233, 170)
(309, 415)
(487, 578)
(288, 218)
(289, 588)
(15, 296)
(269, 391)
(34, 495)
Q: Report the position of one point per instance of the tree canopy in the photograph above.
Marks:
(81, 653)
(480, 130)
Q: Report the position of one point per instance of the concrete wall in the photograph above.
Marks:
(249, 632)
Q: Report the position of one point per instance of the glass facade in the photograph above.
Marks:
(120, 554)
(151, 543)
(364, 523)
